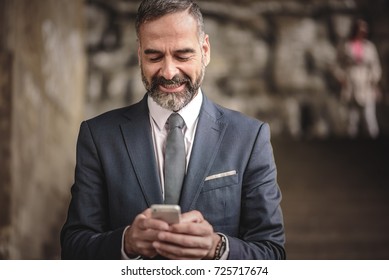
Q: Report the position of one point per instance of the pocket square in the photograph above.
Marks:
(220, 175)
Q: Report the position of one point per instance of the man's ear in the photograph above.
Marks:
(139, 53)
(206, 46)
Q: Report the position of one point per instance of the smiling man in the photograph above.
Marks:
(173, 53)
(174, 147)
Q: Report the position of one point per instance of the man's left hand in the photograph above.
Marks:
(193, 238)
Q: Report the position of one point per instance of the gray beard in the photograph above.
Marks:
(172, 101)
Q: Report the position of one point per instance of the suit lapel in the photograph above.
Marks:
(139, 144)
(210, 131)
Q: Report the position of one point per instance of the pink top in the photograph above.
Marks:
(357, 50)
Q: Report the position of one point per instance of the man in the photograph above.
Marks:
(229, 198)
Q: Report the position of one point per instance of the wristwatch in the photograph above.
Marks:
(220, 247)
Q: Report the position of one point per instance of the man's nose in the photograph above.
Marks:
(169, 69)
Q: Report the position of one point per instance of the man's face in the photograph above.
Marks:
(172, 59)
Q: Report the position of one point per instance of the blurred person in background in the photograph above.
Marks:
(359, 74)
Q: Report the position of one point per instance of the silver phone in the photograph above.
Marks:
(166, 212)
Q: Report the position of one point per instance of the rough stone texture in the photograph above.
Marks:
(270, 59)
(5, 150)
(45, 42)
(5, 136)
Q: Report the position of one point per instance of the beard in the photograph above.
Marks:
(177, 100)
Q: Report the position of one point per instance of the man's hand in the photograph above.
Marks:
(139, 238)
(192, 238)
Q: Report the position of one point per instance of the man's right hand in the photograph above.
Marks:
(138, 239)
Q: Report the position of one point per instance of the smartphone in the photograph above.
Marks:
(166, 212)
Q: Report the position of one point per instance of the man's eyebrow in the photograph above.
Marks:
(152, 51)
(180, 51)
(186, 50)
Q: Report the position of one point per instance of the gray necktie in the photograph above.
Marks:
(174, 159)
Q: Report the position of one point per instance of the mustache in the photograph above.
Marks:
(176, 80)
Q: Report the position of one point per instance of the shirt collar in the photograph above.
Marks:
(189, 113)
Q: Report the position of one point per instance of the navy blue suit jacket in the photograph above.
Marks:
(116, 178)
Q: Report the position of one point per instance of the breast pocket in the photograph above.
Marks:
(219, 201)
(220, 180)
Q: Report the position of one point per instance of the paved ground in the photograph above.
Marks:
(335, 198)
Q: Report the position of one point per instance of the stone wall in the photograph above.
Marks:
(5, 151)
(271, 59)
(42, 74)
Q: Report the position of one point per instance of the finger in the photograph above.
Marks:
(139, 221)
(155, 224)
(150, 253)
(186, 241)
(146, 235)
(171, 251)
(147, 250)
(198, 229)
(144, 222)
(139, 243)
(192, 217)
(144, 245)
(146, 231)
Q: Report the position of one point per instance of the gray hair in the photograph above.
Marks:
(154, 9)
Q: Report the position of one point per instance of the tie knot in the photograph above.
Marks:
(175, 120)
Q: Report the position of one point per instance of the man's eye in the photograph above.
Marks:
(155, 59)
(181, 58)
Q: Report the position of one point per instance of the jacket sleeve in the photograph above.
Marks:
(86, 233)
(261, 231)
